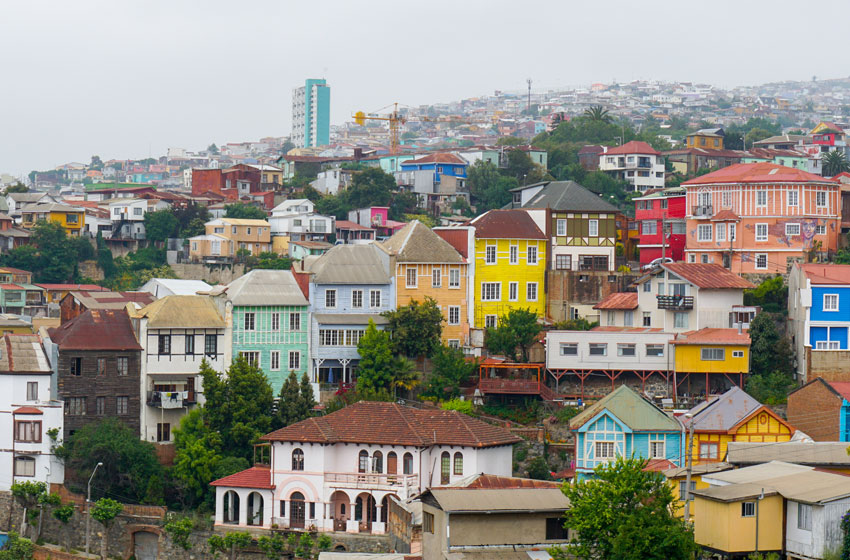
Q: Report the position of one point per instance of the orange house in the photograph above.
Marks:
(761, 217)
(426, 265)
(733, 416)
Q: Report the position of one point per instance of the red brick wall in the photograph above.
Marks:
(814, 409)
(206, 180)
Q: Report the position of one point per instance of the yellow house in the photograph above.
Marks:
(708, 359)
(678, 477)
(732, 416)
(427, 266)
(725, 519)
(226, 236)
(72, 219)
(510, 265)
(710, 138)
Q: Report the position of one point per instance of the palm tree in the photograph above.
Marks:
(597, 113)
(835, 162)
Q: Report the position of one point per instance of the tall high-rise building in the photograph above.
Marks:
(311, 110)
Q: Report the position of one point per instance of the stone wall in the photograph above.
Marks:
(89, 269)
(209, 273)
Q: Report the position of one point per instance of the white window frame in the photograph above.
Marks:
(712, 354)
(571, 346)
(597, 346)
(454, 315)
(593, 228)
(748, 509)
(654, 447)
(330, 297)
(294, 358)
(818, 196)
(411, 277)
(375, 299)
(436, 277)
(561, 227)
(756, 261)
(830, 298)
(804, 516)
(490, 254)
(622, 350)
(274, 362)
(531, 255)
(491, 321)
(761, 199)
(737, 353)
(792, 198)
(491, 291)
(820, 230)
(659, 348)
(790, 228)
(513, 254)
(453, 343)
(249, 321)
(529, 288)
(357, 299)
(761, 232)
(720, 232)
(454, 278)
(701, 237)
(828, 345)
(733, 230)
(610, 450)
(683, 324)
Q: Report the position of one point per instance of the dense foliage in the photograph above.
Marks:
(380, 371)
(243, 211)
(415, 328)
(514, 335)
(52, 256)
(450, 370)
(771, 363)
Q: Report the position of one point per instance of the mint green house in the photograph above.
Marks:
(788, 158)
(270, 325)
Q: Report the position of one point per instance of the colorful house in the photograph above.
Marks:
(426, 266)
(821, 409)
(661, 216)
(761, 217)
(733, 416)
(624, 424)
(722, 356)
(71, 219)
(711, 138)
(270, 323)
(440, 163)
(678, 480)
(510, 265)
(225, 237)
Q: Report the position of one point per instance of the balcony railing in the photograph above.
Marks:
(170, 399)
(370, 480)
(675, 302)
(703, 211)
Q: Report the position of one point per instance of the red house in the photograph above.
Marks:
(661, 209)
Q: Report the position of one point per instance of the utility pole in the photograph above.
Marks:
(760, 498)
(689, 458)
(88, 508)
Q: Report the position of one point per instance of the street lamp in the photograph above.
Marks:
(88, 506)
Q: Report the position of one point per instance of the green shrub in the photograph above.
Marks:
(459, 405)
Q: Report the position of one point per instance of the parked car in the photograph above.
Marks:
(657, 262)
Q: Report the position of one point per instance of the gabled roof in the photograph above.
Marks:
(713, 336)
(840, 389)
(27, 410)
(182, 312)
(351, 264)
(23, 353)
(255, 477)
(499, 500)
(725, 216)
(633, 147)
(69, 287)
(384, 423)
(707, 276)
(417, 243)
(96, 329)
(818, 273)
(568, 196)
(506, 224)
(441, 157)
(238, 222)
(630, 408)
(723, 412)
(266, 288)
(110, 300)
(347, 224)
(619, 300)
(762, 172)
(812, 453)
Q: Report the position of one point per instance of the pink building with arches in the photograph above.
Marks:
(338, 472)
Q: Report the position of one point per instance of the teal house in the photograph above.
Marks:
(624, 424)
(269, 323)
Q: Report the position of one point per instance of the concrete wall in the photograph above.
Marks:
(210, 273)
(500, 529)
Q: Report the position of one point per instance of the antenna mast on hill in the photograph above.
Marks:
(528, 107)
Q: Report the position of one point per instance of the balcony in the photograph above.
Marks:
(405, 484)
(675, 302)
(702, 211)
(170, 399)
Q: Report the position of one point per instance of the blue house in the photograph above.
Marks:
(819, 317)
(441, 163)
(349, 285)
(624, 424)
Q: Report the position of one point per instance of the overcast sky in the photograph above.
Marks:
(124, 79)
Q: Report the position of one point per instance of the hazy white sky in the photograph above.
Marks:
(125, 78)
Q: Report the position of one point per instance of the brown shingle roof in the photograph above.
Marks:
(619, 300)
(383, 423)
(707, 276)
(416, 242)
(506, 224)
(96, 329)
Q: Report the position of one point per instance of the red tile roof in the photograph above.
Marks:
(659, 465)
(725, 216)
(10, 287)
(827, 273)
(86, 287)
(713, 336)
(633, 147)
(441, 157)
(635, 330)
(707, 276)
(619, 300)
(506, 224)
(383, 423)
(255, 477)
(346, 224)
(764, 172)
(27, 410)
(841, 387)
(96, 329)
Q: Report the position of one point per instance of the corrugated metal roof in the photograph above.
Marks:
(456, 500)
(736, 492)
(757, 473)
(351, 264)
(349, 318)
(804, 484)
(23, 353)
(182, 312)
(707, 276)
(571, 197)
(177, 286)
(417, 243)
(265, 288)
(482, 480)
(713, 336)
(702, 468)
(810, 453)
(96, 329)
(819, 273)
(632, 409)
(723, 412)
(110, 300)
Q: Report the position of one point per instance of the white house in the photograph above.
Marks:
(331, 181)
(337, 472)
(27, 412)
(17, 201)
(176, 333)
(128, 216)
(297, 220)
(635, 162)
(609, 348)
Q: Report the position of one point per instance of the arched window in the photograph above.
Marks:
(231, 507)
(458, 463)
(445, 466)
(378, 462)
(407, 464)
(392, 463)
(296, 510)
(297, 460)
(363, 462)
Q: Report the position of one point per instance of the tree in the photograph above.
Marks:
(378, 369)
(63, 514)
(96, 163)
(212, 149)
(404, 202)
(191, 219)
(450, 370)
(244, 212)
(755, 135)
(371, 187)
(770, 388)
(538, 469)
(510, 141)
(481, 176)
(28, 494)
(517, 330)
(596, 113)
(16, 188)
(771, 295)
(130, 467)
(17, 548)
(835, 162)
(768, 351)
(230, 542)
(160, 225)
(626, 513)
(238, 405)
(295, 402)
(415, 328)
(180, 530)
(104, 511)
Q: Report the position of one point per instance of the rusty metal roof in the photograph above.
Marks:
(763, 172)
(96, 329)
(23, 353)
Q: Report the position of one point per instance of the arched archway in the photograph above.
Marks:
(365, 511)
(363, 461)
(255, 508)
(385, 504)
(231, 507)
(340, 509)
(297, 511)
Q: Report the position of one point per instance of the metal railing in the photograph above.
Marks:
(675, 302)
(170, 399)
(703, 211)
(370, 480)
